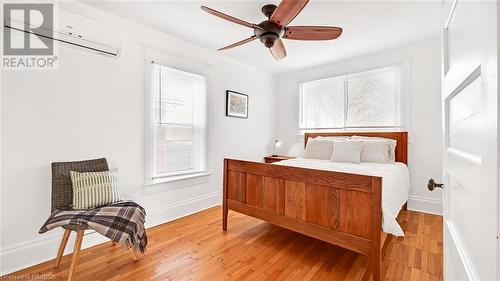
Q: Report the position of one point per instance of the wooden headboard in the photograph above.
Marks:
(400, 137)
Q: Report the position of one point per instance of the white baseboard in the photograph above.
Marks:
(23, 255)
(425, 205)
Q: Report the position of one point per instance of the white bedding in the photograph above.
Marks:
(395, 184)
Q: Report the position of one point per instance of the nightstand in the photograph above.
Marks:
(277, 158)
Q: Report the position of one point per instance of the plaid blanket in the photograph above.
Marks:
(122, 222)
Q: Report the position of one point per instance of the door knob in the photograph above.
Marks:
(433, 184)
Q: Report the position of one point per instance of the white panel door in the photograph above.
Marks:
(470, 132)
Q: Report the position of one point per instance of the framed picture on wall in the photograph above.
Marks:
(236, 104)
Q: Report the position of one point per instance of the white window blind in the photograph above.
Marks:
(368, 99)
(178, 134)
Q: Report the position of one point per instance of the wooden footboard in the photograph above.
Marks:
(340, 208)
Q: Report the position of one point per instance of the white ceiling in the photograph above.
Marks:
(369, 26)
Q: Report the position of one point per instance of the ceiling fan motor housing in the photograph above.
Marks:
(269, 33)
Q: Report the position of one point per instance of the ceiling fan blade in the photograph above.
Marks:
(278, 50)
(229, 18)
(312, 32)
(287, 11)
(238, 43)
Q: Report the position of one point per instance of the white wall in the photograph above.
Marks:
(94, 106)
(421, 71)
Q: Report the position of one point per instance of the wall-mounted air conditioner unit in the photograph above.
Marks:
(76, 30)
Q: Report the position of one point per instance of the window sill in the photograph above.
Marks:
(176, 182)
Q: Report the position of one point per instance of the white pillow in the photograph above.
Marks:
(318, 148)
(375, 151)
(347, 151)
(392, 145)
(94, 189)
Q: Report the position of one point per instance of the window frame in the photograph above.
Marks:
(399, 105)
(199, 129)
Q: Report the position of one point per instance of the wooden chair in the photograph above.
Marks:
(62, 198)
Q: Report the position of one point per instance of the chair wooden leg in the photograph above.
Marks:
(60, 253)
(133, 253)
(76, 252)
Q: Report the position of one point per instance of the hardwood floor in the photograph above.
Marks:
(195, 248)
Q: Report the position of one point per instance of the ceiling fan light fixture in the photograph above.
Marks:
(268, 39)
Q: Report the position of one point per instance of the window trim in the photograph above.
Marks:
(399, 101)
(176, 178)
(185, 175)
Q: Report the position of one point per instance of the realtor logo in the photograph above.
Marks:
(27, 37)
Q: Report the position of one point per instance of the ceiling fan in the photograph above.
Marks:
(271, 31)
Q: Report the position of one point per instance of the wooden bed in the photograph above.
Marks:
(340, 208)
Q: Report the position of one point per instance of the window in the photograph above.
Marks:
(368, 99)
(178, 122)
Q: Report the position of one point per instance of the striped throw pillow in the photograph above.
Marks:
(93, 189)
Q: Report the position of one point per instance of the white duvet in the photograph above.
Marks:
(395, 184)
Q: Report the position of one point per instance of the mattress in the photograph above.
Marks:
(395, 184)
